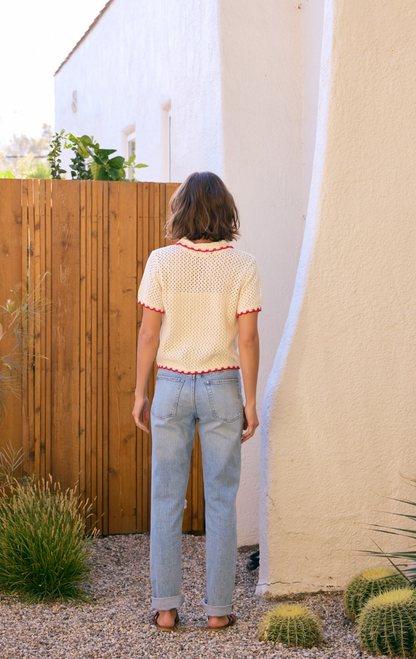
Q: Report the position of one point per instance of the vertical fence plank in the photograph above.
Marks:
(25, 359)
(96, 209)
(146, 450)
(106, 389)
(122, 332)
(42, 333)
(99, 435)
(148, 218)
(37, 361)
(139, 316)
(162, 214)
(11, 272)
(65, 338)
(83, 304)
(88, 344)
(48, 329)
(170, 189)
(31, 330)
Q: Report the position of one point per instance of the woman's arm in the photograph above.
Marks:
(249, 350)
(147, 346)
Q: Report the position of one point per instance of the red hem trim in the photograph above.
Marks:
(226, 368)
(147, 307)
(215, 249)
(251, 311)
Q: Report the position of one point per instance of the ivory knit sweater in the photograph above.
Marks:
(201, 289)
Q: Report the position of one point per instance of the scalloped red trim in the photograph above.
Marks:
(147, 307)
(215, 249)
(251, 311)
(226, 368)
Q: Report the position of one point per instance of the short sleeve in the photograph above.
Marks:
(150, 290)
(250, 296)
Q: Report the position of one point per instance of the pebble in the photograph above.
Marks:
(118, 625)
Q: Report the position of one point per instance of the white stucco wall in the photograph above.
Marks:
(261, 50)
(140, 58)
(233, 72)
(339, 407)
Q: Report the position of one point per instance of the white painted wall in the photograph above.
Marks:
(233, 72)
(140, 58)
(339, 407)
(262, 131)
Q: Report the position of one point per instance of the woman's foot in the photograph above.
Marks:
(217, 623)
(166, 620)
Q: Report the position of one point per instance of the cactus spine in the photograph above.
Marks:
(387, 623)
(292, 624)
(368, 583)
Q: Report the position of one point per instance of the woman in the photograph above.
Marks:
(201, 297)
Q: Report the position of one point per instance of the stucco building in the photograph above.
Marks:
(303, 108)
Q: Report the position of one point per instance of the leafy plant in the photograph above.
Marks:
(54, 155)
(7, 174)
(15, 321)
(403, 561)
(79, 168)
(368, 583)
(387, 624)
(44, 550)
(101, 166)
(292, 624)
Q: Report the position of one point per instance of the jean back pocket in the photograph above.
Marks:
(166, 396)
(225, 399)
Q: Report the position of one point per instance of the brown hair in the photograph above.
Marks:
(202, 207)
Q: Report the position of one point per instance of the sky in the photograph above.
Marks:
(36, 36)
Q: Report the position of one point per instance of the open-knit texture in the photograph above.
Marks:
(201, 289)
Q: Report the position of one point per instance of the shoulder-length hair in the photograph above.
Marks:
(203, 207)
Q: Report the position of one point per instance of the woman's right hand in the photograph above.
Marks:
(251, 422)
(141, 412)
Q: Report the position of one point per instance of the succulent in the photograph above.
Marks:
(292, 624)
(387, 623)
(367, 583)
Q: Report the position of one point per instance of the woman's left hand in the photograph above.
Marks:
(141, 412)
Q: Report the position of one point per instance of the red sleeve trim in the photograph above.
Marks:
(251, 311)
(215, 249)
(147, 307)
(226, 368)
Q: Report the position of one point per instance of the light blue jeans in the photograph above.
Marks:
(215, 399)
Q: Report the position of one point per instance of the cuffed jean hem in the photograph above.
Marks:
(216, 611)
(167, 603)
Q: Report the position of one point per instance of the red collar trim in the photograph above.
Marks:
(195, 249)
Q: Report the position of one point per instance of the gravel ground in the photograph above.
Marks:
(118, 625)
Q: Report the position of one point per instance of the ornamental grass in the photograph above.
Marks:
(45, 553)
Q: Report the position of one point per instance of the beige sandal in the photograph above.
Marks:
(231, 622)
(165, 629)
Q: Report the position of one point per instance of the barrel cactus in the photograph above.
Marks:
(367, 583)
(291, 624)
(387, 623)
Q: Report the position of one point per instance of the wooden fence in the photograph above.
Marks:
(74, 419)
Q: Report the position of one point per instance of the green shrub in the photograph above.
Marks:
(367, 583)
(44, 550)
(387, 623)
(292, 624)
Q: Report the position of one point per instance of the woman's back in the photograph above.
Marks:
(201, 288)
